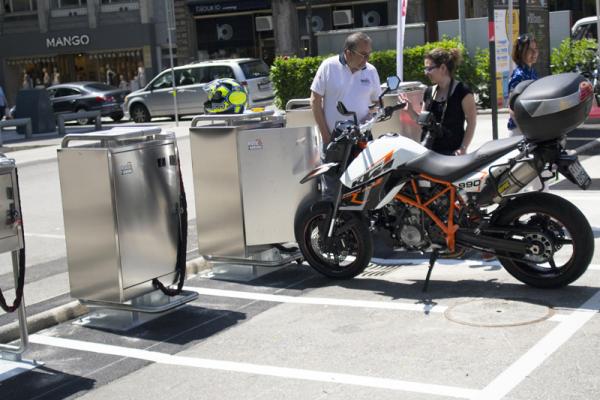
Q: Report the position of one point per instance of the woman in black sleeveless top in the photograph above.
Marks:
(450, 101)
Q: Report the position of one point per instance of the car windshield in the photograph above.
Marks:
(99, 87)
(255, 69)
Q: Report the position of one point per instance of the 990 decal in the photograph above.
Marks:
(470, 184)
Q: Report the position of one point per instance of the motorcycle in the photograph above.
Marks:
(444, 205)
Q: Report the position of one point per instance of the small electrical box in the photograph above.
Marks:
(11, 232)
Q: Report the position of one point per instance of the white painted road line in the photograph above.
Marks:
(257, 369)
(45, 235)
(420, 262)
(432, 308)
(520, 369)
(276, 298)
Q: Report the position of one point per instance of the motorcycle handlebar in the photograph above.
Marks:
(381, 115)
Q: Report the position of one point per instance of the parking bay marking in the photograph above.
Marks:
(497, 389)
(256, 369)
(327, 301)
(520, 369)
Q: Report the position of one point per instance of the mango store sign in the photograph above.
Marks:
(68, 41)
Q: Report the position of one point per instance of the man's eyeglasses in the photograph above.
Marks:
(365, 56)
(430, 68)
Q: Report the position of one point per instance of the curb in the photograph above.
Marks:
(486, 111)
(72, 310)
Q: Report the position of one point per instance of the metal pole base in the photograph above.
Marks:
(247, 269)
(117, 317)
(11, 368)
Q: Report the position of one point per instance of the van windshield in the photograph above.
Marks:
(255, 69)
(586, 31)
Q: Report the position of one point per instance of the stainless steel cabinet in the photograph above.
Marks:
(247, 183)
(120, 204)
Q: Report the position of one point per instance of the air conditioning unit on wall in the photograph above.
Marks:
(342, 17)
(264, 23)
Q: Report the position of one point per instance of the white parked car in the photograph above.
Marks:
(156, 99)
(585, 28)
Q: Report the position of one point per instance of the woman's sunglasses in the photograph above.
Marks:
(430, 68)
(524, 38)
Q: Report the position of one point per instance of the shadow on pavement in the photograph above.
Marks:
(45, 383)
(572, 296)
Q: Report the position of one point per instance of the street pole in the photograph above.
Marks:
(170, 13)
(510, 36)
(522, 16)
(492, 44)
(311, 36)
(598, 28)
(462, 26)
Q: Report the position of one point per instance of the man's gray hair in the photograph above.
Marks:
(354, 39)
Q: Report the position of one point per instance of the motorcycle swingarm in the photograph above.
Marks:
(468, 238)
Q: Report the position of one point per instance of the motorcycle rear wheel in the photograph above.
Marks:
(350, 250)
(566, 240)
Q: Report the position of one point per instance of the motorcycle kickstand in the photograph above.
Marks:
(432, 260)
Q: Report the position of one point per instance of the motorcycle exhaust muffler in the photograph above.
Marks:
(516, 178)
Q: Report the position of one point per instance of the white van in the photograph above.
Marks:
(156, 99)
(585, 28)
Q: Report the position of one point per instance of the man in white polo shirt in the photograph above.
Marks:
(348, 78)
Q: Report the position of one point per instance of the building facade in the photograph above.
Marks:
(247, 28)
(49, 41)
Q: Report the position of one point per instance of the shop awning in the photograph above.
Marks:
(208, 7)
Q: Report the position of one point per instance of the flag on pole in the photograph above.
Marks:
(400, 38)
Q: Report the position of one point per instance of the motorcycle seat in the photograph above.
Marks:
(451, 168)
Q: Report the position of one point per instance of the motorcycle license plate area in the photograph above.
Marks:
(579, 174)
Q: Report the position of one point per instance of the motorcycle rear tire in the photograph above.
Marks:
(571, 218)
(356, 231)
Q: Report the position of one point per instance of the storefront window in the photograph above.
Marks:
(106, 67)
(11, 6)
(69, 3)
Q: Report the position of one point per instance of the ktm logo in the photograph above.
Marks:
(375, 170)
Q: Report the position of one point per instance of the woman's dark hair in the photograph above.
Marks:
(450, 58)
(520, 48)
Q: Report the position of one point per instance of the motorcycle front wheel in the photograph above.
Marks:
(343, 256)
(561, 241)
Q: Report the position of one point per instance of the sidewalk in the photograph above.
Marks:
(15, 143)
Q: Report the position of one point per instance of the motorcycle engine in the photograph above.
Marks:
(407, 229)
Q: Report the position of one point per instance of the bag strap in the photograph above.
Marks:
(453, 85)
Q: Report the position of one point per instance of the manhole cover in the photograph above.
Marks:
(498, 312)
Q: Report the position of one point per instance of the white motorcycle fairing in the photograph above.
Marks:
(381, 155)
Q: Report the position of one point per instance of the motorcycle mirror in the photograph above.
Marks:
(344, 111)
(393, 82)
(342, 108)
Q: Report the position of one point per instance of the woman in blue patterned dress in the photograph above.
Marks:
(525, 54)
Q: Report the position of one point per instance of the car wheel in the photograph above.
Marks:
(139, 113)
(116, 117)
(83, 120)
